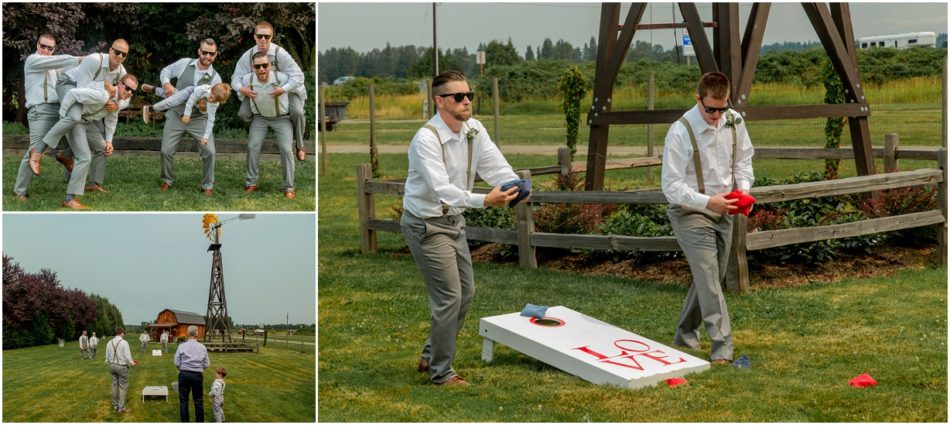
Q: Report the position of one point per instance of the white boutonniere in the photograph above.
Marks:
(205, 78)
(732, 119)
(472, 132)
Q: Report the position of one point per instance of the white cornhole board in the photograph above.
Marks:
(155, 390)
(157, 353)
(588, 348)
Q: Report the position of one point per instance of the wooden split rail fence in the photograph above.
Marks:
(528, 240)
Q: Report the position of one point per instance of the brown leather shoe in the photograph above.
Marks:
(35, 158)
(249, 189)
(66, 161)
(208, 192)
(95, 188)
(423, 365)
(20, 198)
(74, 204)
(164, 187)
(721, 362)
(455, 380)
(301, 154)
(290, 195)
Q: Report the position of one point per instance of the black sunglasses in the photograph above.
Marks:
(459, 96)
(120, 53)
(264, 36)
(50, 48)
(206, 53)
(713, 110)
(261, 65)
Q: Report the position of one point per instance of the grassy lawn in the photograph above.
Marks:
(47, 384)
(804, 343)
(132, 181)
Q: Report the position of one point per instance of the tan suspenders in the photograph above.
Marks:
(697, 163)
(468, 159)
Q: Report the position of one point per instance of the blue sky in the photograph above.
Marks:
(145, 263)
(365, 26)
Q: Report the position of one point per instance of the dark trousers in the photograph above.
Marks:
(191, 382)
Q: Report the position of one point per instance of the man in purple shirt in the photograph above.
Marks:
(191, 359)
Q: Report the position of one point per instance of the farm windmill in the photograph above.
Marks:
(217, 316)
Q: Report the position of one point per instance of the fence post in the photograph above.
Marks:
(942, 202)
(373, 154)
(737, 272)
(891, 143)
(526, 252)
(564, 161)
(651, 89)
(367, 209)
(323, 130)
(494, 89)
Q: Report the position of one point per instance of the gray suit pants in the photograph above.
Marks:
(255, 139)
(298, 117)
(85, 138)
(172, 134)
(97, 145)
(705, 241)
(120, 385)
(42, 118)
(440, 249)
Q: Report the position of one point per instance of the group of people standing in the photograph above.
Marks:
(191, 359)
(79, 98)
(707, 153)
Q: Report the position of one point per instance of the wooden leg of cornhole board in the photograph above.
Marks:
(488, 350)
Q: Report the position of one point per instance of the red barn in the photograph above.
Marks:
(176, 322)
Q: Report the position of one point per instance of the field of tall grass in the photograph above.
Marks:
(918, 91)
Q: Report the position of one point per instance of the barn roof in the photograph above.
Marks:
(188, 317)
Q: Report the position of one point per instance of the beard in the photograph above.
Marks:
(462, 115)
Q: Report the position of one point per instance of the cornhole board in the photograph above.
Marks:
(155, 390)
(591, 349)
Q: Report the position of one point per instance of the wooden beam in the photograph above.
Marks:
(755, 113)
(751, 47)
(774, 238)
(788, 192)
(623, 43)
(726, 43)
(605, 242)
(827, 31)
(704, 53)
(603, 89)
(707, 24)
(638, 197)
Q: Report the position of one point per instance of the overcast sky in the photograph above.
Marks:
(144, 263)
(365, 26)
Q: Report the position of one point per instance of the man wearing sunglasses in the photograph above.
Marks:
(270, 112)
(86, 137)
(707, 154)
(444, 158)
(281, 61)
(40, 72)
(188, 72)
(96, 67)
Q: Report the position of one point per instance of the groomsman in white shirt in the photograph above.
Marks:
(93, 344)
(40, 73)
(119, 359)
(281, 61)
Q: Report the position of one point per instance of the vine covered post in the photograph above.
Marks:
(573, 86)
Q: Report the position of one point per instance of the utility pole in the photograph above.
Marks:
(435, 46)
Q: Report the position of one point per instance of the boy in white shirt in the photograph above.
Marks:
(207, 98)
(217, 394)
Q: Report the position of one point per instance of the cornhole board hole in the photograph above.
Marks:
(155, 391)
(581, 345)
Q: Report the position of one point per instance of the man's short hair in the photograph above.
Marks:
(46, 35)
(119, 330)
(193, 331)
(445, 78)
(209, 41)
(260, 55)
(714, 85)
(129, 77)
(120, 41)
(264, 24)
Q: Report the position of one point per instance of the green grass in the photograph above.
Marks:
(804, 343)
(133, 184)
(48, 384)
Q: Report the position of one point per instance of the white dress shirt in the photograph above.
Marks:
(715, 152)
(430, 183)
(118, 352)
(93, 342)
(176, 69)
(39, 70)
(93, 100)
(85, 73)
(263, 104)
(285, 63)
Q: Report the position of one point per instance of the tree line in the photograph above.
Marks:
(416, 62)
(158, 35)
(37, 309)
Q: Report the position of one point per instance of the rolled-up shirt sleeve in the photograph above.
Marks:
(677, 155)
(425, 155)
(173, 70)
